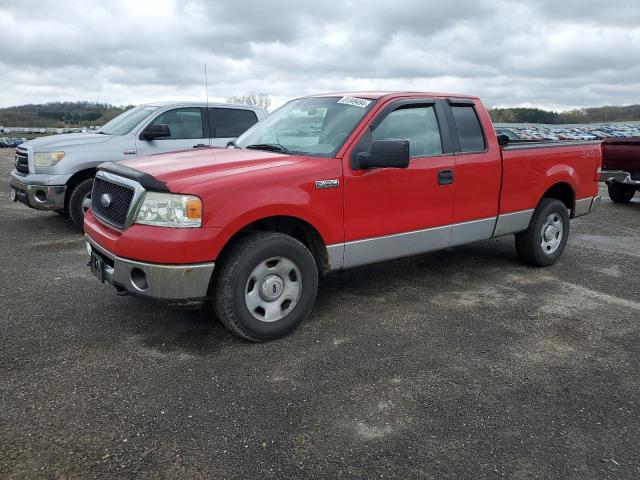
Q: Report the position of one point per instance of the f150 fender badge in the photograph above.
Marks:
(322, 184)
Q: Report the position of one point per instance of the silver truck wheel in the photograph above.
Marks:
(80, 202)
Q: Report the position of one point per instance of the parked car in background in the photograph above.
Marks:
(56, 172)
(621, 167)
(16, 141)
(326, 183)
(4, 142)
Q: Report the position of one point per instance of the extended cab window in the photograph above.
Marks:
(416, 124)
(231, 122)
(469, 129)
(184, 123)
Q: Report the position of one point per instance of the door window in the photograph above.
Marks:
(184, 123)
(416, 124)
(231, 122)
(469, 129)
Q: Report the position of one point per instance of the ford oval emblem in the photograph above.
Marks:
(105, 200)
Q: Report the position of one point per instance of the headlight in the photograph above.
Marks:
(48, 159)
(170, 210)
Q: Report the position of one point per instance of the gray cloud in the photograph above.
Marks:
(544, 52)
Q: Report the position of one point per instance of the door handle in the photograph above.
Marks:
(445, 177)
(200, 145)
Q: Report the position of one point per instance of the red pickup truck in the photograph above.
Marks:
(326, 183)
(621, 167)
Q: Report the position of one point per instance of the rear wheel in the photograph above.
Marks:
(265, 286)
(80, 202)
(621, 193)
(543, 242)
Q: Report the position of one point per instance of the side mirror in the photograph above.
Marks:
(158, 130)
(503, 140)
(385, 154)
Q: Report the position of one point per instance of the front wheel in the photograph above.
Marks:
(543, 242)
(621, 193)
(80, 202)
(264, 286)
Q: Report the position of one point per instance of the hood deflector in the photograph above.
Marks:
(147, 181)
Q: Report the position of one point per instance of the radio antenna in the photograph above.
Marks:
(206, 84)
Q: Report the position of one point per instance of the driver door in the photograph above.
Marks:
(395, 212)
(187, 126)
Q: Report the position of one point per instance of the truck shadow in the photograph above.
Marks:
(199, 332)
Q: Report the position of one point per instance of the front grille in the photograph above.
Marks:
(110, 202)
(22, 161)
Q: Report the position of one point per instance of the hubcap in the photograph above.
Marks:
(273, 289)
(551, 234)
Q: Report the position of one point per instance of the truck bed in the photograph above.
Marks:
(525, 164)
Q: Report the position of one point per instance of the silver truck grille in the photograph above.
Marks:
(22, 161)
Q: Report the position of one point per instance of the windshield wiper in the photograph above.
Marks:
(271, 147)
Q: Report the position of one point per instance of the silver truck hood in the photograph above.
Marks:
(55, 142)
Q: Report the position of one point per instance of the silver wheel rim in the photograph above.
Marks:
(551, 234)
(86, 202)
(273, 289)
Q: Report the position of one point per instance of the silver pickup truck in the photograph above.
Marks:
(56, 173)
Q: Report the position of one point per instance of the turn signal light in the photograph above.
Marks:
(194, 208)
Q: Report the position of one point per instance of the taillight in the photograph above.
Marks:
(596, 177)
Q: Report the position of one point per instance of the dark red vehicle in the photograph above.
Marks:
(621, 167)
(326, 183)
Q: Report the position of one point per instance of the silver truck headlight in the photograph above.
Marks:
(48, 159)
(170, 210)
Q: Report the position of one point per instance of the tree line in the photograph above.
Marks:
(583, 115)
(59, 114)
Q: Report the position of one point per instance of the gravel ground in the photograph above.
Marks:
(458, 364)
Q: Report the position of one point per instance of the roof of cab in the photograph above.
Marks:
(376, 95)
(201, 104)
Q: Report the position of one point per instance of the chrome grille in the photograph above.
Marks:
(110, 202)
(22, 161)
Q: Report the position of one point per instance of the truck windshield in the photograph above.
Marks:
(125, 122)
(315, 126)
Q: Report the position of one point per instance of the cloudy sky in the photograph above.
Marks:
(556, 54)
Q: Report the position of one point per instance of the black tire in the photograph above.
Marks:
(234, 274)
(76, 198)
(529, 244)
(621, 193)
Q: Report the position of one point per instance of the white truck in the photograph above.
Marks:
(56, 172)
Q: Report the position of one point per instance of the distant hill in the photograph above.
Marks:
(59, 114)
(584, 115)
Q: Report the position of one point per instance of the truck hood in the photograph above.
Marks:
(181, 169)
(60, 142)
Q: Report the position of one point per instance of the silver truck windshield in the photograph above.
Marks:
(124, 123)
(316, 126)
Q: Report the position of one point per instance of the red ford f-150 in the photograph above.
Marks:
(325, 183)
(621, 167)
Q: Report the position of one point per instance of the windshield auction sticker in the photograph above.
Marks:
(355, 102)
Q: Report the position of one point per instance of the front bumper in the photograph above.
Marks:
(164, 282)
(38, 196)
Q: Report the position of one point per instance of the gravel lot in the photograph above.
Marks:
(458, 364)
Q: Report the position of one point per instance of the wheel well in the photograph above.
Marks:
(564, 193)
(299, 229)
(75, 179)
